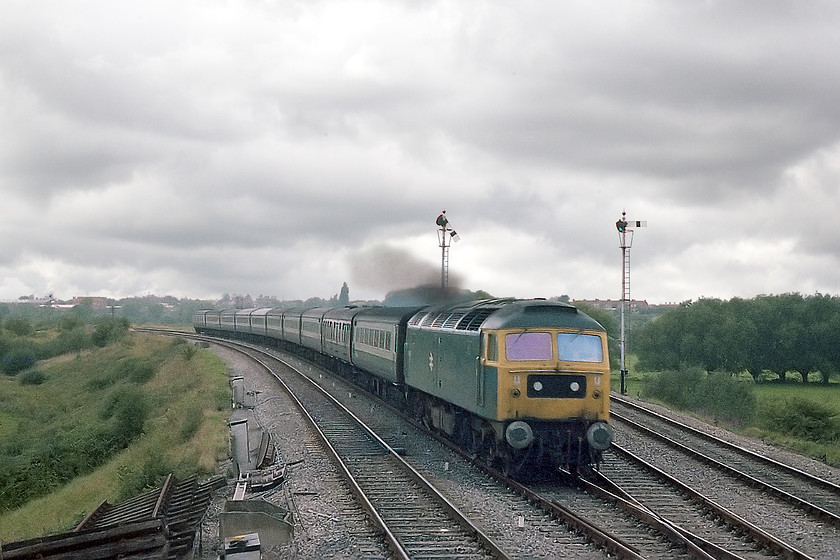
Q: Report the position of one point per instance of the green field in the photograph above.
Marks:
(106, 423)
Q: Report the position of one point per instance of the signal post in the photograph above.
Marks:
(625, 241)
(446, 235)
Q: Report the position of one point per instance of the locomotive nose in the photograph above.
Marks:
(519, 435)
(600, 436)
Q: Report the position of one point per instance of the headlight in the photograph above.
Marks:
(600, 436)
(519, 434)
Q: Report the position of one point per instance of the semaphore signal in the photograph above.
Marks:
(446, 235)
(625, 241)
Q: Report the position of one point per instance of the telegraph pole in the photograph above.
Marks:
(625, 241)
(445, 237)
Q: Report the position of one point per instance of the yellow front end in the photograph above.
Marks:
(549, 374)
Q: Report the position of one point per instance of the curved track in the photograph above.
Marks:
(415, 519)
(634, 511)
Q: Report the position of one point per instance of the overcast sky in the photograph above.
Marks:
(195, 148)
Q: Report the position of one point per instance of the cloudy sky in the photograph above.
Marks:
(195, 148)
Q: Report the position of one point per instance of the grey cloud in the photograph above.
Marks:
(251, 148)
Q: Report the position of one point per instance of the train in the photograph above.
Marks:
(522, 384)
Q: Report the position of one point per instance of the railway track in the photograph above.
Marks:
(537, 535)
(804, 490)
(414, 518)
(659, 522)
(712, 527)
(773, 497)
(609, 521)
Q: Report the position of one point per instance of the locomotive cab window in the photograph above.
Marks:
(492, 348)
(526, 346)
(576, 347)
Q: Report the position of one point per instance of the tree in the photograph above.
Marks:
(659, 344)
(780, 334)
(825, 332)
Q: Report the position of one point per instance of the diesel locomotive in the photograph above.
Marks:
(522, 384)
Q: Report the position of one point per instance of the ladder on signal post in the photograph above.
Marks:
(625, 295)
(444, 266)
(446, 235)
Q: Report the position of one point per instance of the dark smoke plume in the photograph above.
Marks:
(387, 269)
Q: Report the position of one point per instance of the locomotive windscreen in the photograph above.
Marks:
(574, 347)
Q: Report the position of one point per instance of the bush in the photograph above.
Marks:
(70, 322)
(129, 408)
(716, 394)
(134, 369)
(802, 418)
(189, 352)
(67, 341)
(675, 387)
(110, 330)
(724, 397)
(150, 474)
(17, 360)
(138, 370)
(193, 419)
(32, 377)
(20, 326)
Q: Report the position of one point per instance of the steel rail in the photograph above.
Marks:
(598, 535)
(779, 547)
(805, 505)
(825, 484)
(392, 539)
(664, 526)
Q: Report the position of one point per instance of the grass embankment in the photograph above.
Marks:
(800, 417)
(106, 424)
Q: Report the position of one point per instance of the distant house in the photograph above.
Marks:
(96, 302)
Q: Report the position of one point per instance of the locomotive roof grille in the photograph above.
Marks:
(435, 320)
(467, 316)
(503, 313)
(417, 319)
(472, 321)
(453, 319)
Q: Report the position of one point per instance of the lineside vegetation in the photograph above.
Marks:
(107, 420)
(804, 418)
(749, 364)
(768, 337)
